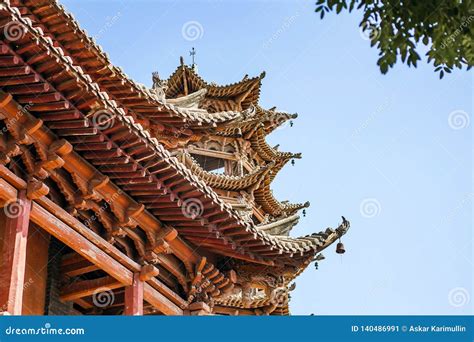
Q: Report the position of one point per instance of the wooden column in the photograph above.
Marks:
(60, 224)
(134, 297)
(12, 275)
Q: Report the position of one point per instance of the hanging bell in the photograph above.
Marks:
(292, 162)
(340, 248)
(304, 212)
(291, 123)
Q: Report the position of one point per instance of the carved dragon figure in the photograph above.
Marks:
(159, 86)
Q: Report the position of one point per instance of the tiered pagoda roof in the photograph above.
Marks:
(222, 181)
(185, 81)
(156, 147)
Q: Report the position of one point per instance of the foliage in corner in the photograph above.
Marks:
(395, 27)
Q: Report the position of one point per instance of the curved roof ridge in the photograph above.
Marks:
(268, 153)
(221, 181)
(274, 117)
(281, 226)
(267, 119)
(175, 80)
(264, 196)
(117, 76)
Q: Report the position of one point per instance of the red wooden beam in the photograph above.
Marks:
(69, 230)
(134, 297)
(12, 276)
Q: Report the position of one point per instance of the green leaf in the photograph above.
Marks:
(404, 26)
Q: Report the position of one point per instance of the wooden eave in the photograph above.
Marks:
(221, 181)
(281, 226)
(147, 174)
(250, 87)
(137, 100)
(268, 153)
(269, 204)
(267, 119)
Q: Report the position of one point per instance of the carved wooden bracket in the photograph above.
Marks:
(130, 214)
(159, 243)
(94, 185)
(147, 272)
(23, 134)
(62, 147)
(36, 189)
(198, 270)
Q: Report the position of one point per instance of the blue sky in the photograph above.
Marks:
(392, 153)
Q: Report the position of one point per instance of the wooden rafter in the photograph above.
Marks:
(85, 288)
(57, 225)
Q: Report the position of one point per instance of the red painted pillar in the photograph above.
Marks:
(134, 297)
(12, 275)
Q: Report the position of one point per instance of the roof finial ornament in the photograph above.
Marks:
(181, 60)
(159, 86)
(192, 53)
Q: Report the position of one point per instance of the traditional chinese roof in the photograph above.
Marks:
(158, 175)
(266, 120)
(137, 100)
(185, 81)
(222, 181)
(268, 153)
(64, 81)
(280, 227)
(265, 198)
